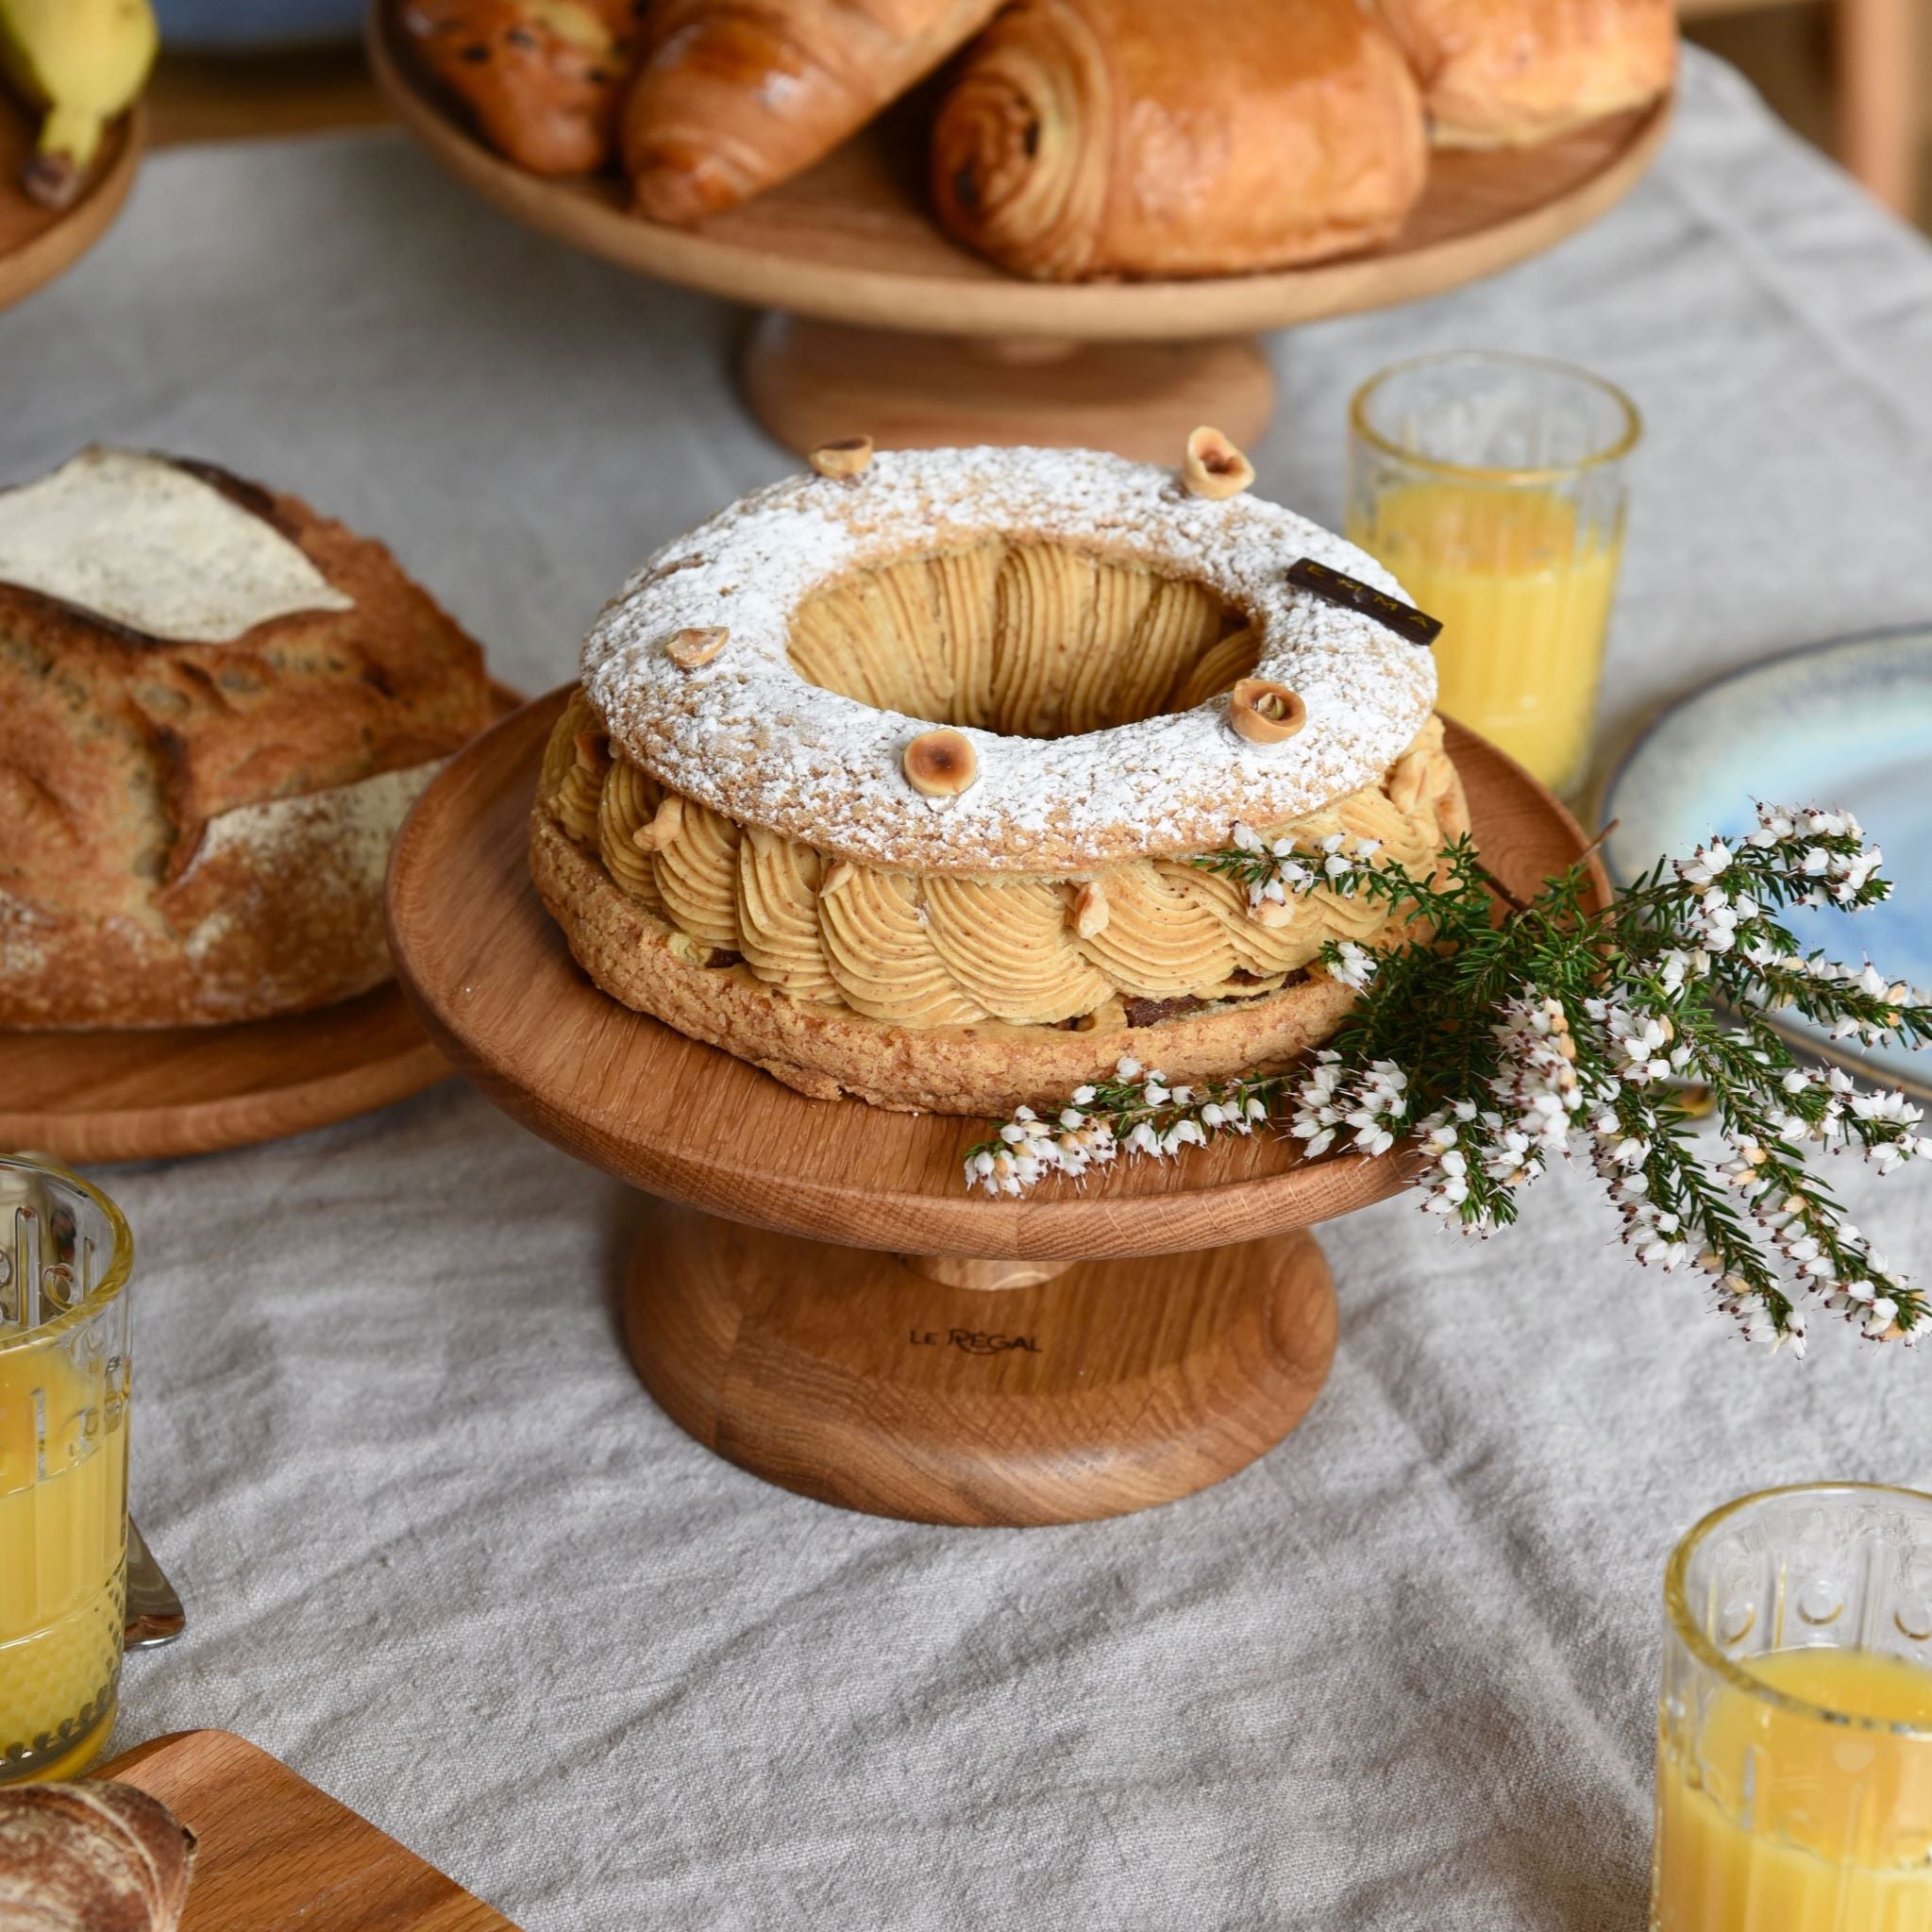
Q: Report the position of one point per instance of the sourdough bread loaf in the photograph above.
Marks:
(218, 707)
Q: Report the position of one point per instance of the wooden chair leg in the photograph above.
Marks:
(1878, 98)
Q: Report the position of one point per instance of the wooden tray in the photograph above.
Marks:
(275, 1854)
(35, 243)
(850, 240)
(1022, 1366)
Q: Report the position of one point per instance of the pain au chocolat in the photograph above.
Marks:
(889, 780)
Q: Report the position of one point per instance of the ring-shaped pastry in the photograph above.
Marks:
(892, 783)
(748, 735)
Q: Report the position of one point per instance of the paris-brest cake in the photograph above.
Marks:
(888, 778)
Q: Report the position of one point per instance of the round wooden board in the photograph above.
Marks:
(37, 244)
(148, 1094)
(850, 240)
(495, 986)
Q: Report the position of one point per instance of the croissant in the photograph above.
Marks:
(1084, 137)
(541, 77)
(734, 96)
(91, 1857)
(1501, 73)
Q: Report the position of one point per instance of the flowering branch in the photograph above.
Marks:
(1500, 1045)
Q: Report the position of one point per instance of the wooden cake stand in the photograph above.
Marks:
(878, 322)
(35, 243)
(857, 1326)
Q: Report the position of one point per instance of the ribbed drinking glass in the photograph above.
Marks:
(1494, 487)
(65, 1259)
(1795, 1740)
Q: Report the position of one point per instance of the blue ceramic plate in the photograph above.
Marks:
(231, 26)
(1847, 723)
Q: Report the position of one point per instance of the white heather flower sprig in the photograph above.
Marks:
(1137, 1112)
(1500, 1046)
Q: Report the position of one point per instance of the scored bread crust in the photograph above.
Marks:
(987, 1068)
(194, 834)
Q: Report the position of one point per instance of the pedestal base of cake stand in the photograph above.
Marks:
(813, 383)
(977, 1393)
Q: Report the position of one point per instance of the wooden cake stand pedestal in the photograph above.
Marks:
(878, 321)
(825, 1304)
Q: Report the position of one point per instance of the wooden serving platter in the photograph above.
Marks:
(276, 1855)
(497, 986)
(850, 240)
(35, 243)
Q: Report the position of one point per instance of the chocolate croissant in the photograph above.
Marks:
(541, 77)
(1085, 138)
(736, 95)
(1500, 73)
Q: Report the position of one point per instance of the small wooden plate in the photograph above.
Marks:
(35, 243)
(850, 240)
(140, 1094)
(496, 984)
(275, 1853)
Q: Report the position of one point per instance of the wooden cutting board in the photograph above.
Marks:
(276, 1855)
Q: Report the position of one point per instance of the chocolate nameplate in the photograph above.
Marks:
(1352, 593)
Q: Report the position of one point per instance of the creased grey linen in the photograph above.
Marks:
(445, 1558)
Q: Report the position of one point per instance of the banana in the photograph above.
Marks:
(80, 61)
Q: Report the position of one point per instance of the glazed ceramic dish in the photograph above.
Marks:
(1846, 723)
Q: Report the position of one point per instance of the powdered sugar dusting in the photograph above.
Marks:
(143, 543)
(347, 829)
(747, 736)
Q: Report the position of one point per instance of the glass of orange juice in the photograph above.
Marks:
(1493, 486)
(1795, 1742)
(65, 1258)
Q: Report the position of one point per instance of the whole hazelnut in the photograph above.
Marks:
(940, 763)
(690, 649)
(842, 460)
(1264, 712)
(1214, 467)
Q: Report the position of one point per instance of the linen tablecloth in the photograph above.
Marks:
(444, 1556)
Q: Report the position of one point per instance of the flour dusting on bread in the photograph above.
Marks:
(153, 547)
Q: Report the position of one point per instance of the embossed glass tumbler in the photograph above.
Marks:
(1494, 487)
(1794, 1739)
(65, 1258)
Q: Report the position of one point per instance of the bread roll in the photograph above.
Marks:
(1503, 72)
(91, 1857)
(736, 95)
(1087, 138)
(219, 706)
(541, 78)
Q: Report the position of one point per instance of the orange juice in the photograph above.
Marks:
(1776, 1820)
(1524, 591)
(64, 1546)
